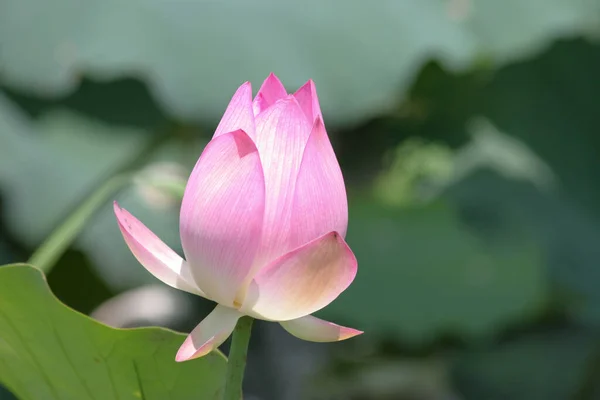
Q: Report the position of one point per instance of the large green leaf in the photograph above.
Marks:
(194, 53)
(48, 351)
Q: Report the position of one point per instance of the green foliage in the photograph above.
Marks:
(422, 272)
(550, 105)
(49, 351)
(359, 55)
(537, 366)
(53, 164)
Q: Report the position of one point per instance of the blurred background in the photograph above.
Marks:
(468, 132)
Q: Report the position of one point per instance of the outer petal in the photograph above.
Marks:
(302, 281)
(320, 203)
(317, 330)
(209, 334)
(308, 100)
(271, 90)
(239, 114)
(153, 254)
(281, 135)
(222, 215)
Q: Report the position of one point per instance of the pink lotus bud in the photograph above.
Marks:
(262, 222)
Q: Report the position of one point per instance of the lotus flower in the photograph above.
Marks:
(262, 222)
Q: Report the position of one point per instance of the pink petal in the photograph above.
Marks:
(153, 254)
(222, 215)
(317, 330)
(209, 334)
(302, 281)
(308, 100)
(271, 90)
(239, 114)
(281, 135)
(320, 203)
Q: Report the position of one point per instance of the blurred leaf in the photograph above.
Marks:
(415, 168)
(380, 379)
(49, 351)
(421, 272)
(540, 366)
(550, 105)
(359, 55)
(49, 166)
(120, 102)
(46, 167)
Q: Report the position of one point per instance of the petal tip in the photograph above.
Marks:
(272, 87)
(310, 84)
(348, 333)
(244, 92)
(309, 100)
(273, 76)
(245, 144)
(187, 351)
(122, 216)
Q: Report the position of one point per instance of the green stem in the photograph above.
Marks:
(237, 358)
(58, 241)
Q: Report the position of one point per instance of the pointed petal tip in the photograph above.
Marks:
(309, 83)
(272, 88)
(245, 144)
(246, 85)
(272, 75)
(317, 330)
(187, 351)
(309, 100)
(122, 216)
(270, 91)
(238, 114)
(347, 333)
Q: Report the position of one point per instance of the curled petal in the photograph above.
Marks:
(281, 135)
(239, 114)
(209, 334)
(309, 102)
(317, 330)
(158, 258)
(302, 281)
(222, 215)
(271, 90)
(320, 203)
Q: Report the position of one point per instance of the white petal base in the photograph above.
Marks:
(209, 334)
